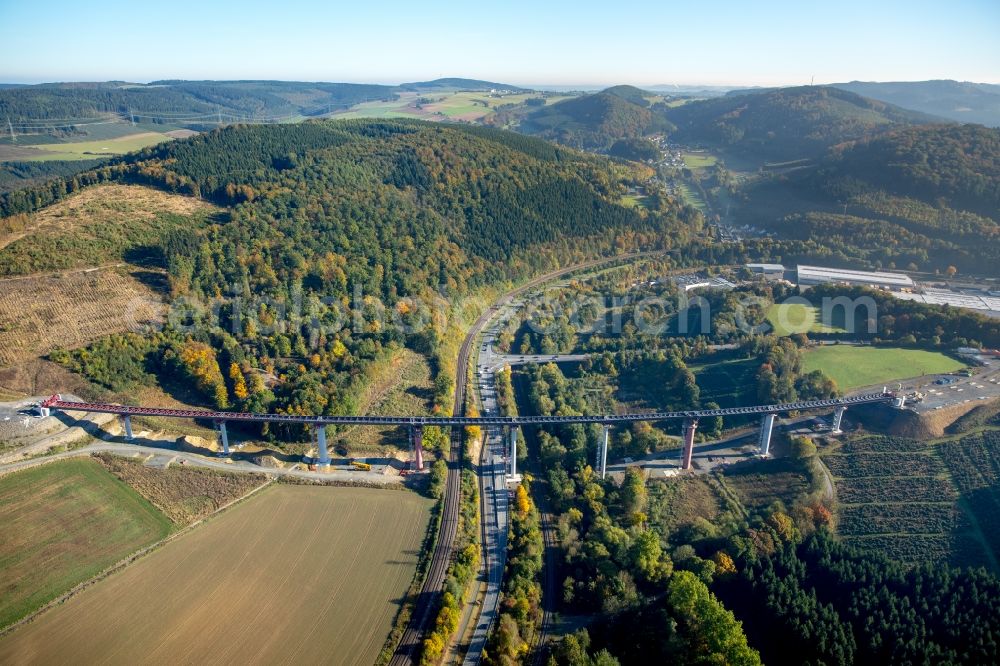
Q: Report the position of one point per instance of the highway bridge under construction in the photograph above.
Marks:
(415, 424)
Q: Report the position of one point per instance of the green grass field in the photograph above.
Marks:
(789, 318)
(698, 160)
(440, 106)
(692, 197)
(852, 367)
(63, 523)
(86, 150)
(634, 201)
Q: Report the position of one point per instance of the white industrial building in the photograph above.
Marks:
(983, 302)
(767, 271)
(812, 275)
(694, 281)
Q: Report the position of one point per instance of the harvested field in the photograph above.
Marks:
(184, 494)
(95, 226)
(39, 377)
(81, 150)
(296, 574)
(401, 384)
(68, 310)
(63, 523)
(758, 483)
(677, 502)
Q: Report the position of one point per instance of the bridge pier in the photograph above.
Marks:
(513, 451)
(416, 441)
(603, 453)
(766, 428)
(838, 417)
(323, 456)
(223, 437)
(690, 425)
(127, 424)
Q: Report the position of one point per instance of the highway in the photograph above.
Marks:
(495, 498)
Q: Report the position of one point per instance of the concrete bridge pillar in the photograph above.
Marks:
(766, 428)
(323, 456)
(603, 455)
(690, 425)
(838, 417)
(416, 440)
(513, 451)
(223, 437)
(127, 423)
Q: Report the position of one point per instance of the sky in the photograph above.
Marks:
(585, 43)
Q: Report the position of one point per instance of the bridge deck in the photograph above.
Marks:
(55, 403)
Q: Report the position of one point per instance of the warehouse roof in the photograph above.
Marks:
(821, 274)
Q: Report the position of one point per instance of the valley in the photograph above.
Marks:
(263, 263)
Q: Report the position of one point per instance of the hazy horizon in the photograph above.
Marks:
(556, 44)
(549, 86)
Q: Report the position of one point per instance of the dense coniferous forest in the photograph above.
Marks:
(787, 123)
(19, 175)
(187, 101)
(596, 122)
(916, 198)
(827, 603)
(955, 164)
(961, 101)
(341, 238)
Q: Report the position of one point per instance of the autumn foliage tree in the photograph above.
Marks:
(199, 362)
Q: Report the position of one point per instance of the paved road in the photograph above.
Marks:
(195, 460)
(497, 361)
(982, 387)
(493, 486)
(17, 423)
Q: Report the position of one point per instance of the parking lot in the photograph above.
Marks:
(933, 392)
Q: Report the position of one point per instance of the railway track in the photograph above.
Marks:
(433, 582)
(406, 651)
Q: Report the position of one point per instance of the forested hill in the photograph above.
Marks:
(184, 102)
(788, 123)
(958, 165)
(338, 217)
(459, 84)
(595, 122)
(961, 101)
(398, 206)
(925, 198)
